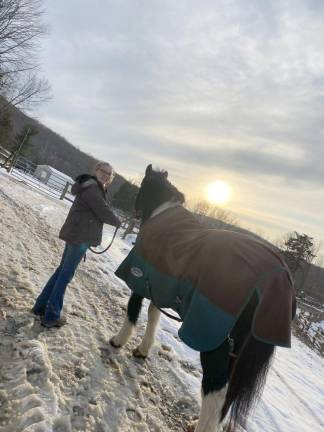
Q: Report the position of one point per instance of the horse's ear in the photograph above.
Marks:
(165, 173)
(148, 170)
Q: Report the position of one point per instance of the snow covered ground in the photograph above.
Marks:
(71, 379)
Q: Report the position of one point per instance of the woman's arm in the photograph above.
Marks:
(93, 197)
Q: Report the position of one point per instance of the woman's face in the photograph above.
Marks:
(104, 174)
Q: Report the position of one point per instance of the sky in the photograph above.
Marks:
(210, 90)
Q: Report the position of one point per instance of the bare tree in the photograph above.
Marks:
(21, 27)
(204, 209)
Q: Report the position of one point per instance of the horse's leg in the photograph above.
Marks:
(133, 311)
(210, 411)
(148, 339)
(214, 387)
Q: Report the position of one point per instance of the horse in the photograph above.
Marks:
(233, 293)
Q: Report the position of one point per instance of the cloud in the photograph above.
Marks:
(229, 86)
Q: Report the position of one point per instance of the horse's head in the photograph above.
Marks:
(154, 191)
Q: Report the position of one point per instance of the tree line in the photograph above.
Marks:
(21, 29)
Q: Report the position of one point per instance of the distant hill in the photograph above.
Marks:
(49, 148)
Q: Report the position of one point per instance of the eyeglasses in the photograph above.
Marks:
(105, 172)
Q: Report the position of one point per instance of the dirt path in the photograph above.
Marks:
(71, 379)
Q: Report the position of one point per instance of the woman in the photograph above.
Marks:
(82, 228)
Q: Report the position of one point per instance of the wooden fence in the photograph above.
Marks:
(23, 169)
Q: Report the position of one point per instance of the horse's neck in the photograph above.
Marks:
(165, 206)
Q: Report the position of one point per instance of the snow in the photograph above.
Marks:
(71, 379)
(31, 180)
(316, 327)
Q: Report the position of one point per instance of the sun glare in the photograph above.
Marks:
(218, 192)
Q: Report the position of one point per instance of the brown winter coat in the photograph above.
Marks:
(89, 211)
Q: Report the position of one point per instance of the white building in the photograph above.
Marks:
(52, 177)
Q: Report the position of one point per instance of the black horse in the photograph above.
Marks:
(235, 367)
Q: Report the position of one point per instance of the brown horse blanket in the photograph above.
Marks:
(208, 276)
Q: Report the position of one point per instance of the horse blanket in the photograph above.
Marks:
(208, 276)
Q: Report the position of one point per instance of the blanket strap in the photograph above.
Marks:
(161, 310)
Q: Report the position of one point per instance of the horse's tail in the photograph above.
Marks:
(247, 379)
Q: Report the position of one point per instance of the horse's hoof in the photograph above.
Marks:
(192, 426)
(114, 344)
(137, 353)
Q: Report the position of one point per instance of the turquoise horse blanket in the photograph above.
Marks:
(207, 276)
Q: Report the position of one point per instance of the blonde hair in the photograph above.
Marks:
(101, 164)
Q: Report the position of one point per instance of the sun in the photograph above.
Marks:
(218, 192)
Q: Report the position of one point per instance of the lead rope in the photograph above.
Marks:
(105, 250)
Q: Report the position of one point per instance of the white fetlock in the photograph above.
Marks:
(124, 334)
(148, 339)
(210, 412)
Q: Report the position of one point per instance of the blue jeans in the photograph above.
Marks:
(50, 300)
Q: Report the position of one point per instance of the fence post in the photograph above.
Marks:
(64, 190)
